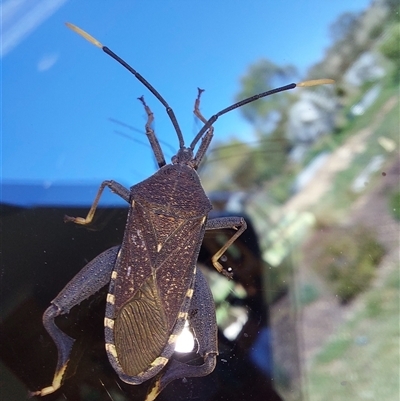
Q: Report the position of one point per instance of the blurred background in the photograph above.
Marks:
(314, 306)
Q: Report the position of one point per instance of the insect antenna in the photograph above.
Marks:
(169, 110)
(250, 99)
(138, 76)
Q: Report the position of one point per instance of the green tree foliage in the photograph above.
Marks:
(394, 205)
(347, 257)
(262, 162)
(260, 77)
(247, 165)
(222, 162)
(271, 155)
(390, 48)
(344, 26)
(265, 159)
(394, 7)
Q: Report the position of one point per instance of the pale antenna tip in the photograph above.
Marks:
(81, 32)
(314, 82)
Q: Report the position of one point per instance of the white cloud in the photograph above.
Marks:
(19, 18)
(47, 61)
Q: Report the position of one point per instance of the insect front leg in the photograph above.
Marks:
(155, 145)
(115, 187)
(94, 276)
(207, 138)
(237, 223)
(202, 320)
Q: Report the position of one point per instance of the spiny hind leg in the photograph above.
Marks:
(94, 276)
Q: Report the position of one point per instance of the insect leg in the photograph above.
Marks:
(202, 320)
(196, 109)
(206, 140)
(204, 325)
(205, 143)
(114, 187)
(237, 223)
(155, 145)
(95, 275)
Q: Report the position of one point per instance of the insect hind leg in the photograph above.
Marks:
(64, 346)
(94, 276)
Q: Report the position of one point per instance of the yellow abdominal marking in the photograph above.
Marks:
(189, 293)
(172, 339)
(110, 348)
(183, 315)
(114, 274)
(160, 361)
(110, 299)
(109, 323)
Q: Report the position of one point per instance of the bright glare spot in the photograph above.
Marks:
(185, 341)
(232, 331)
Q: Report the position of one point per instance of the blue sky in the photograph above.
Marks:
(59, 92)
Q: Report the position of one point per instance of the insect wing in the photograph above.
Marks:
(151, 290)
